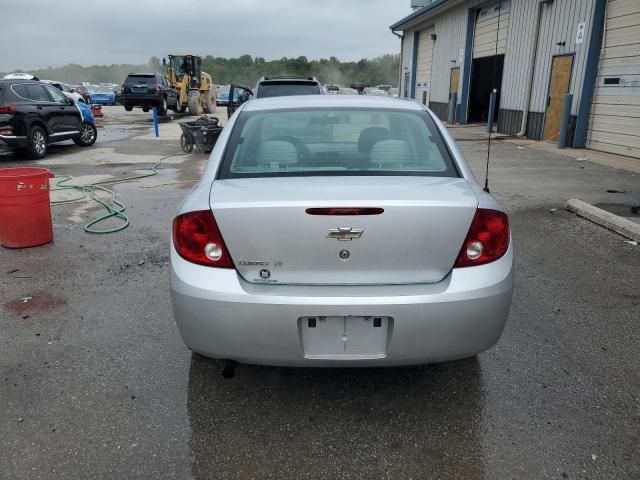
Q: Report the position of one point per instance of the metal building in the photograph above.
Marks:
(533, 53)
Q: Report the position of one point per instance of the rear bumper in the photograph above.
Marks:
(458, 317)
(14, 141)
(141, 100)
(103, 101)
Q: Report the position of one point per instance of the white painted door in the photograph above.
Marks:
(423, 67)
(614, 124)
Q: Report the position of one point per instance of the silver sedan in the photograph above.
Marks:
(339, 231)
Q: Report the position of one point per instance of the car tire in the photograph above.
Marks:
(179, 107)
(145, 109)
(88, 135)
(210, 104)
(162, 109)
(128, 108)
(37, 145)
(195, 107)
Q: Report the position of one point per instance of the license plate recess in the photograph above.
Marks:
(347, 337)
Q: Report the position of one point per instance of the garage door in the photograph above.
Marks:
(489, 19)
(423, 67)
(614, 125)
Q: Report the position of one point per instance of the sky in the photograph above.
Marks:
(44, 33)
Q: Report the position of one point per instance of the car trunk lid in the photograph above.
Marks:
(273, 239)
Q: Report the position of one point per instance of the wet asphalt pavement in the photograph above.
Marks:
(96, 383)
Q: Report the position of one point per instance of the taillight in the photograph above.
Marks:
(7, 109)
(487, 240)
(158, 88)
(6, 130)
(197, 238)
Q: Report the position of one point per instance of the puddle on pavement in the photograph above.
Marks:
(36, 302)
(331, 408)
(111, 134)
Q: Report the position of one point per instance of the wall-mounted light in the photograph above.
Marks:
(434, 36)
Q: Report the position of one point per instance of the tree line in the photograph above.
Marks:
(243, 70)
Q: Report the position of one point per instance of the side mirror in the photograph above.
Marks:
(73, 90)
(70, 101)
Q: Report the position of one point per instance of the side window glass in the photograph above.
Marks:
(56, 94)
(20, 90)
(37, 93)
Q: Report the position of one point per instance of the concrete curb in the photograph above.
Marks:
(608, 220)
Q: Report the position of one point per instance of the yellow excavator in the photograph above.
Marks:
(196, 90)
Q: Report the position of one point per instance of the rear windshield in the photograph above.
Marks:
(141, 79)
(282, 89)
(312, 142)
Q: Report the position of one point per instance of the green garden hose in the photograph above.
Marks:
(114, 208)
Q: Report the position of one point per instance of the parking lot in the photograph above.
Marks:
(96, 382)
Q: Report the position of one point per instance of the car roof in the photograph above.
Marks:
(287, 78)
(331, 101)
(20, 76)
(15, 81)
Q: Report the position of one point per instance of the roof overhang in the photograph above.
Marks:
(434, 8)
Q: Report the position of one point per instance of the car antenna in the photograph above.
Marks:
(494, 91)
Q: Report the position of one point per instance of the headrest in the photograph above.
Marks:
(390, 151)
(371, 135)
(275, 153)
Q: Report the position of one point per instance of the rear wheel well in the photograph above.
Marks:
(38, 123)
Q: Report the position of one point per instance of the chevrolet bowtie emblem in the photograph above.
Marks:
(345, 233)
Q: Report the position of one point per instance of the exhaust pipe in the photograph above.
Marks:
(229, 369)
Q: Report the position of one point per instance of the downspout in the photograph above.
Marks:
(401, 37)
(532, 67)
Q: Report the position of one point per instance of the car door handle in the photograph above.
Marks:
(39, 107)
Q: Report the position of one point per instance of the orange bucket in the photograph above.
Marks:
(25, 209)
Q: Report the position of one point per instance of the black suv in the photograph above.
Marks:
(148, 90)
(285, 86)
(274, 87)
(34, 115)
